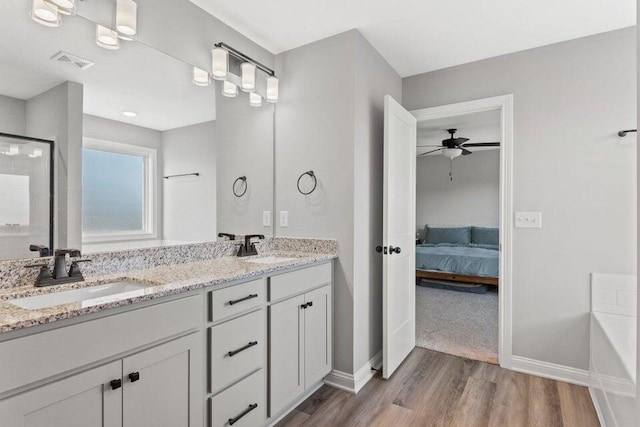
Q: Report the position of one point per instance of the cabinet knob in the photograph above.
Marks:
(134, 376)
(116, 384)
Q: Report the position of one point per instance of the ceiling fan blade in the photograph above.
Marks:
(482, 144)
(429, 152)
(459, 141)
(465, 152)
(429, 146)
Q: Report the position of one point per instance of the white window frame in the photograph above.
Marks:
(150, 219)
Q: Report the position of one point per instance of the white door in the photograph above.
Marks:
(399, 225)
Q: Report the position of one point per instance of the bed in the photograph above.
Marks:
(459, 255)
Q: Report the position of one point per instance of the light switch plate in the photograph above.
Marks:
(528, 219)
(266, 218)
(284, 218)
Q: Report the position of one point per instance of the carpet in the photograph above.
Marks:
(462, 324)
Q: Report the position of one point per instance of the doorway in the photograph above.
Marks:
(465, 113)
(399, 221)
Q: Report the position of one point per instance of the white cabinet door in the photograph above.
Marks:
(83, 400)
(162, 386)
(286, 331)
(317, 335)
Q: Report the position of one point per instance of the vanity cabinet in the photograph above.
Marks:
(83, 400)
(300, 336)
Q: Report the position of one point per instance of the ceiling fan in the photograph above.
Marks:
(453, 147)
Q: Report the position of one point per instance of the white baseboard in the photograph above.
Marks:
(550, 370)
(598, 407)
(353, 383)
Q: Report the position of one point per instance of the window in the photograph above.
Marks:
(118, 191)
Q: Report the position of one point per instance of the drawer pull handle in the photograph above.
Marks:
(243, 299)
(234, 352)
(251, 407)
(134, 376)
(116, 384)
(307, 305)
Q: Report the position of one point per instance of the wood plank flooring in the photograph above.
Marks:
(436, 389)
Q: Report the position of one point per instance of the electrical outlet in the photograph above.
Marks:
(528, 219)
(266, 218)
(284, 218)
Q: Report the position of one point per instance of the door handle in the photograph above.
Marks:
(381, 249)
(393, 250)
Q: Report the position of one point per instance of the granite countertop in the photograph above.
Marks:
(164, 280)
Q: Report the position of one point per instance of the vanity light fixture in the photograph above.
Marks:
(107, 38)
(272, 89)
(200, 77)
(229, 89)
(219, 63)
(127, 17)
(45, 13)
(37, 152)
(255, 100)
(14, 150)
(248, 77)
(65, 7)
(129, 113)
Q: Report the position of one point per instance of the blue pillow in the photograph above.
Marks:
(485, 236)
(454, 235)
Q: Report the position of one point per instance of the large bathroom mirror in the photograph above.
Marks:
(145, 151)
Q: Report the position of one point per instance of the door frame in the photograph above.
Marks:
(504, 104)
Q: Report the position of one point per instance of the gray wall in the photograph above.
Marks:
(57, 114)
(472, 198)
(570, 99)
(329, 120)
(189, 203)
(243, 147)
(12, 115)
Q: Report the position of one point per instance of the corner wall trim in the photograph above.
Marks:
(550, 370)
(353, 383)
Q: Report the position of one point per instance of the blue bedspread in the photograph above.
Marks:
(461, 259)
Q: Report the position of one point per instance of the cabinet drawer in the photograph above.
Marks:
(299, 281)
(245, 403)
(236, 299)
(236, 348)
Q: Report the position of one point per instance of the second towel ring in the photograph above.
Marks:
(238, 193)
(315, 183)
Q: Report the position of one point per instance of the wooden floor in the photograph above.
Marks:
(436, 389)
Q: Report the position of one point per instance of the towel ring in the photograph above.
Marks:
(237, 193)
(315, 182)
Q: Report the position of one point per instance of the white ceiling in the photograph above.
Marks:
(478, 127)
(135, 77)
(416, 36)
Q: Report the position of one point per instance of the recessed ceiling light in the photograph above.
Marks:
(129, 113)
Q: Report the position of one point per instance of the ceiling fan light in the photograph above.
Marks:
(229, 89)
(200, 77)
(45, 14)
(272, 89)
(248, 77)
(219, 63)
(451, 153)
(255, 100)
(126, 17)
(107, 38)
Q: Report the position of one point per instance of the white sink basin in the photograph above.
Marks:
(89, 296)
(269, 260)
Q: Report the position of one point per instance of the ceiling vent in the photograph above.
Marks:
(81, 63)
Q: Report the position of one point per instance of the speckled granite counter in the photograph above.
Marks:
(165, 280)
